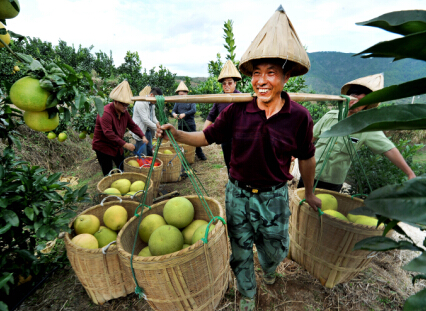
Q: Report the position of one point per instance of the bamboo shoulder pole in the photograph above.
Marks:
(236, 98)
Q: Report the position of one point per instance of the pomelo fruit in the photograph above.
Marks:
(185, 246)
(91, 135)
(115, 217)
(86, 240)
(86, 224)
(39, 121)
(105, 236)
(149, 224)
(188, 232)
(7, 11)
(131, 193)
(145, 252)
(112, 191)
(178, 212)
(27, 94)
(133, 163)
(123, 185)
(137, 185)
(165, 240)
(51, 135)
(16, 68)
(367, 221)
(167, 151)
(328, 201)
(5, 38)
(201, 232)
(353, 218)
(335, 214)
(62, 137)
(82, 135)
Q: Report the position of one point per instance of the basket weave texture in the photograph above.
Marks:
(156, 174)
(171, 165)
(106, 182)
(189, 152)
(324, 247)
(102, 276)
(195, 278)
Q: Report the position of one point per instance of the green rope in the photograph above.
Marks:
(205, 241)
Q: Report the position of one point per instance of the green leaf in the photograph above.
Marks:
(416, 302)
(51, 101)
(29, 212)
(401, 22)
(17, 36)
(26, 58)
(1, 172)
(36, 65)
(3, 31)
(395, 117)
(418, 264)
(15, 5)
(5, 228)
(46, 84)
(5, 279)
(381, 243)
(99, 106)
(51, 234)
(53, 196)
(61, 93)
(88, 77)
(11, 217)
(3, 306)
(54, 178)
(26, 254)
(69, 68)
(15, 141)
(67, 115)
(38, 224)
(42, 231)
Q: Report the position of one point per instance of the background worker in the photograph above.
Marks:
(228, 78)
(144, 117)
(266, 132)
(185, 113)
(339, 161)
(108, 140)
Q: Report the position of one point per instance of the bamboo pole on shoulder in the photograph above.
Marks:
(236, 98)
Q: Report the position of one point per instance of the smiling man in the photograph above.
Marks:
(266, 132)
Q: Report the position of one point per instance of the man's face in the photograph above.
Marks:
(228, 85)
(182, 93)
(120, 107)
(268, 81)
(353, 102)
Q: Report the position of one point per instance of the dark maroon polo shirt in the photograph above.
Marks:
(262, 148)
(218, 108)
(109, 131)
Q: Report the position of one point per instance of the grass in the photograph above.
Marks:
(420, 156)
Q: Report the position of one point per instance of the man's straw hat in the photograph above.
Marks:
(374, 83)
(229, 71)
(277, 39)
(146, 91)
(181, 87)
(122, 93)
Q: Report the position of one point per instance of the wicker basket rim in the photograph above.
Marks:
(123, 174)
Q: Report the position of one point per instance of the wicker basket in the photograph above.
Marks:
(164, 143)
(189, 153)
(195, 278)
(108, 180)
(156, 174)
(324, 246)
(171, 165)
(102, 275)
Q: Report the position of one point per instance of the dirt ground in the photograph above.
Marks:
(383, 285)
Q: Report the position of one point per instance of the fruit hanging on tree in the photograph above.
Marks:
(9, 10)
(28, 95)
(39, 121)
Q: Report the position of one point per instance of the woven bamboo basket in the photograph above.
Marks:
(102, 275)
(324, 247)
(171, 165)
(109, 179)
(164, 143)
(189, 152)
(195, 278)
(156, 174)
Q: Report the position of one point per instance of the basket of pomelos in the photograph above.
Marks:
(93, 254)
(323, 245)
(126, 186)
(142, 165)
(181, 255)
(189, 152)
(171, 164)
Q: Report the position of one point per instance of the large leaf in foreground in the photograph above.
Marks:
(418, 264)
(416, 302)
(401, 22)
(381, 243)
(395, 117)
(411, 46)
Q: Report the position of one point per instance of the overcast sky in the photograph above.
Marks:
(185, 35)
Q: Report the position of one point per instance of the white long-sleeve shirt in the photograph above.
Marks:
(144, 117)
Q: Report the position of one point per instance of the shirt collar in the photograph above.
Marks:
(253, 108)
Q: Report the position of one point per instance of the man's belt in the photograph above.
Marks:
(253, 189)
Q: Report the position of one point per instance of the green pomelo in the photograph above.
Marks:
(115, 217)
(188, 232)
(149, 224)
(86, 224)
(201, 232)
(131, 193)
(133, 163)
(82, 135)
(328, 201)
(185, 246)
(353, 218)
(62, 137)
(123, 185)
(367, 221)
(145, 252)
(7, 11)
(112, 191)
(167, 151)
(86, 240)
(39, 121)
(178, 212)
(335, 214)
(91, 135)
(165, 240)
(27, 94)
(137, 185)
(51, 135)
(105, 236)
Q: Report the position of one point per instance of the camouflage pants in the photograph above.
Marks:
(261, 219)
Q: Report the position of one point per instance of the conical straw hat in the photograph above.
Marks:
(277, 39)
(373, 83)
(182, 87)
(122, 93)
(229, 71)
(146, 91)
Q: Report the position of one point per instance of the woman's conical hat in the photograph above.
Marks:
(146, 91)
(373, 83)
(229, 71)
(277, 39)
(122, 93)
(182, 87)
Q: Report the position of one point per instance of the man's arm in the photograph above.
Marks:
(197, 139)
(206, 124)
(307, 172)
(396, 158)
